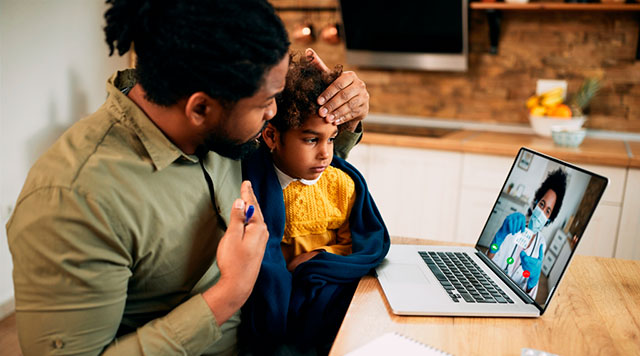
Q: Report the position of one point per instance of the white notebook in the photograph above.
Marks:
(395, 344)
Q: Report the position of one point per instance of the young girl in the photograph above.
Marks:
(325, 230)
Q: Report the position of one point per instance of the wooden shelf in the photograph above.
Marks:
(558, 6)
(494, 14)
(305, 9)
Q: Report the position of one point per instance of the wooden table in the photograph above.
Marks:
(595, 311)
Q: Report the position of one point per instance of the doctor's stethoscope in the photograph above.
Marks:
(530, 211)
(535, 242)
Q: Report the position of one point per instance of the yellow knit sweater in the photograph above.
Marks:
(317, 216)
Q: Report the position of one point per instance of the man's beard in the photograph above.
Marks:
(223, 146)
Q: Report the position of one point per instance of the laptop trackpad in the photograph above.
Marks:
(408, 289)
(405, 274)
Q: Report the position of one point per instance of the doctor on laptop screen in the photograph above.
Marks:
(535, 212)
(518, 246)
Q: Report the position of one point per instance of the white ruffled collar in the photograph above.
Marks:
(285, 179)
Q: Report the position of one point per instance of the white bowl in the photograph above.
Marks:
(542, 124)
(567, 138)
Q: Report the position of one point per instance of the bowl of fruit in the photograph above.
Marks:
(549, 109)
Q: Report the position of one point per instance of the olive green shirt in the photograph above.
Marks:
(114, 239)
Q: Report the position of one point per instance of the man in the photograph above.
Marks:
(129, 236)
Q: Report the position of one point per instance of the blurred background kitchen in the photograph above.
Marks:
(440, 138)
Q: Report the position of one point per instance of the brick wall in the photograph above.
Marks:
(568, 45)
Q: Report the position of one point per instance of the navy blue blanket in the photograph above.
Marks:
(307, 306)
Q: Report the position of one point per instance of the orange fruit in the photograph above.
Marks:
(561, 110)
(532, 102)
(538, 111)
(550, 108)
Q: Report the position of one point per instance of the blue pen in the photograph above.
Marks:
(249, 214)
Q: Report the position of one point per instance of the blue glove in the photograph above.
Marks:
(513, 223)
(533, 265)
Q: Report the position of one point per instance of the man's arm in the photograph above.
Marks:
(347, 140)
(71, 272)
(239, 257)
(72, 269)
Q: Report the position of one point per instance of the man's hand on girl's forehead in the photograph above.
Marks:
(345, 100)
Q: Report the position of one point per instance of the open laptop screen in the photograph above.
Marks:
(537, 221)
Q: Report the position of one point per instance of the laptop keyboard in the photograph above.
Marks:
(463, 279)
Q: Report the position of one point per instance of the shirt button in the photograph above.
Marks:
(58, 343)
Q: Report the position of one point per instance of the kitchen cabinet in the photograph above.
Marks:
(628, 246)
(448, 195)
(473, 211)
(416, 190)
(482, 178)
(600, 237)
(359, 158)
(617, 178)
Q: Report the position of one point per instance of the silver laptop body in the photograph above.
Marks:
(413, 288)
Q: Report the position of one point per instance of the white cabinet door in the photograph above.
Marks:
(359, 158)
(444, 195)
(629, 232)
(601, 236)
(599, 239)
(473, 212)
(416, 190)
(482, 179)
(617, 177)
(485, 171)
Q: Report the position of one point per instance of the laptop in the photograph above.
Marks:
(520, 257)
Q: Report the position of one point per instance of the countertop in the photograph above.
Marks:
(591, 313)
(505, 142)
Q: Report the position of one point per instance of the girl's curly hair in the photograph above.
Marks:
(299, 99)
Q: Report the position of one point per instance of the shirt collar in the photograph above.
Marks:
(285, 179)
(160, 149)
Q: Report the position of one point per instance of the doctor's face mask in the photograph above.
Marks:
(537, 220)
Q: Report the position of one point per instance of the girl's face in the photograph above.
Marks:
(305, 152)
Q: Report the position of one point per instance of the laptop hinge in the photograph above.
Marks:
(514, 287)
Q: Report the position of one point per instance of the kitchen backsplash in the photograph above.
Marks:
(568, 45)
